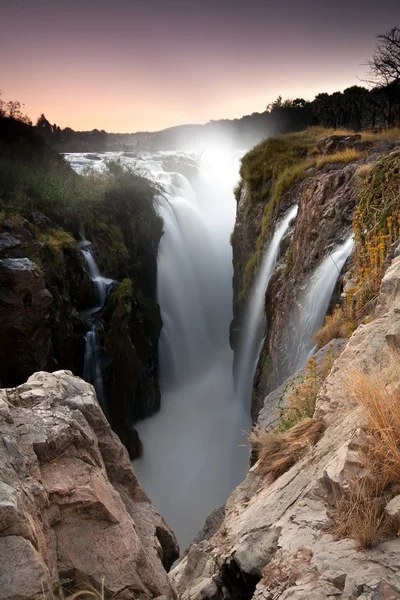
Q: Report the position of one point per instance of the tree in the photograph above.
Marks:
(385, 63)
(44, 127)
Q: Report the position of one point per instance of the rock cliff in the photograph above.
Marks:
(72, 513)
(45, 287)
(327, 197)
(278, 539)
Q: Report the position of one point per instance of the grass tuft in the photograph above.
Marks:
(360, 511)
(277, 452)
(345, 156)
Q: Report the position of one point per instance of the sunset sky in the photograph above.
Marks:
(125, 65)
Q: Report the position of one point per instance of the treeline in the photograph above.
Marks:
(356, 108)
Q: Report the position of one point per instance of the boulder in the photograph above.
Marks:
(71, 508)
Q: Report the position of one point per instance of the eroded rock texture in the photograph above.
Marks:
(276, 541)
(71, 508)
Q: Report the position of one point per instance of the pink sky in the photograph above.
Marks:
(127, 66)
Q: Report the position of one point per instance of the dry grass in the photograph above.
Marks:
(336, 326)
(386, 134)
(378, 394)
(364, 171)
(361, 511)
(344, 156)
(277, 452)
(361, 515)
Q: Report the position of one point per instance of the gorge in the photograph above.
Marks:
(175, 392)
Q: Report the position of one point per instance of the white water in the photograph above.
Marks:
(193, 448)
(255, 322)
(101, 284)
(192, 455)
(92, 360)
(311, 310)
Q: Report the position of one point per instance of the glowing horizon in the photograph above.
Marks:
(127, 66)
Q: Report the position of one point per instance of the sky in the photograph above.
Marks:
(125, 65)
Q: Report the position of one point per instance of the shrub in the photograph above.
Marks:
(336, 326)
(297, 401)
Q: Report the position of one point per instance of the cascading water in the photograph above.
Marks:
(92, 363)
(312, 308)
(194, 452)
(255, 322)
(193, 455)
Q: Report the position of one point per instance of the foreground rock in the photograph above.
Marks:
(276, 541)
(71, 509)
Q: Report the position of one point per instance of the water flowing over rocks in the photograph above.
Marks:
(70, 505)
(276, 542)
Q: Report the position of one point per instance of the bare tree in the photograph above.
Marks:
(385, 63)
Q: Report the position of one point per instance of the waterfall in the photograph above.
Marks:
(194, 451)
(313, 305)
(92, 363)
(193, 448)
(255, 322)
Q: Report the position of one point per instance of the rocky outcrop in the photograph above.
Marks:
(45, 289)
(72, 513)
(326, 200)
(25, 305)
(276, 541)
(42, 289)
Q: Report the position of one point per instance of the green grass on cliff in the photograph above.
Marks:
(268, 171)
(271, 166)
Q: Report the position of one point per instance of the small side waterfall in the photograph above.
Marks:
(313, 305)
(255, 321)
(92, 365)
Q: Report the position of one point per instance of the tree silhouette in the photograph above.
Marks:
(385, 63)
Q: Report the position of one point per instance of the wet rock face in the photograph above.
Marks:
(25, 306)
(326, 204)
(70, 505)
(276, 541)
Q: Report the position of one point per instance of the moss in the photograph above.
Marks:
(265, 359)
(124, 293)
(252, 264)
(57, 241)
